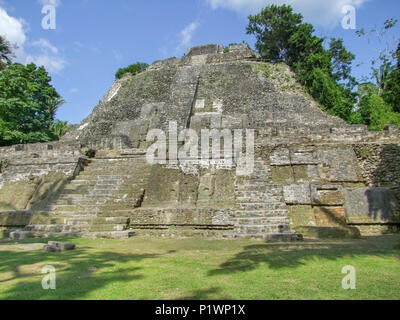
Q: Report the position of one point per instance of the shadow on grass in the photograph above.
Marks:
(78, 272)
(201, 294)
(284, 255)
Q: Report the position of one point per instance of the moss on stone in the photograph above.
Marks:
(282, 174)
(49, 188)
(16, 195)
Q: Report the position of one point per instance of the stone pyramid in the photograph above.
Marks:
(307, 173)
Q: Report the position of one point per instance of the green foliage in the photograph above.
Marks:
(373, 110)
(326, 74)
(273, 28)
(5, 53)
(391, 93)
(376, 113)
(28, 104)
(60, 128)
(341, 63)
(133, 69)
(380, 97)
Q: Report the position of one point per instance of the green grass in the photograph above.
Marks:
(146, 268)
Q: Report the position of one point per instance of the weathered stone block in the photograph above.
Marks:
(280, 157)
(62, 246)
(51, 248)
(301, 215)
(15, 219)
(301, 173)
(329, 216)
(303, 157)
(282, 174)
(297, 194)
(20, 235)
(16, 195)
(338, 165)
(371, 205)
(327, 195)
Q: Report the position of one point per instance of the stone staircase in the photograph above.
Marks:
(97, 202)
(260, 207)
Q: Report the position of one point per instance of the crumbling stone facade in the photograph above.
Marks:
(313, 174)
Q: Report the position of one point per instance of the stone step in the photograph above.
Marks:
(260, 213)
(65, 220)
(105, 186)
(48, 234)
(80, 202)
(252, 187)
(266, 199)
(85, 234)
(260, 206)
(65, 208)
(261, 220)
(108, 227)
(102, 193)
(109, 235)
(111, 220)
(82, 182)
(272, 237)
(95, 175)
(75, 191)
(261, 192)
(262, 229)
(58, 228)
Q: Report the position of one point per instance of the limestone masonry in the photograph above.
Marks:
(314, 175)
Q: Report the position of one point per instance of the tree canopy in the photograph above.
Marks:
(28, 103)
(5, 53)
(326, 70)
(282, 36)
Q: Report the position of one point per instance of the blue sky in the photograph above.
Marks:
(93, 38)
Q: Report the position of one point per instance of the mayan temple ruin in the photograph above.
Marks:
(313, 174)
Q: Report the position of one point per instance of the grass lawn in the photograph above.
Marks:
(147, 268)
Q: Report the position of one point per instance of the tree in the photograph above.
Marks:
(133, 69)
(28, 104)
(392, 89)
(342, 62)
(382, 92)
(282, 36)
(273, 28)
(5, 53)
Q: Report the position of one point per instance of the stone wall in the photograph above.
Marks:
(32, 175)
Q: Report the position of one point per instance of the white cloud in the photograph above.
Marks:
(44, 53)
(45, 46)
(54, 3)
(326, 13)
(186, 35)
(53, 64)
(12, 28)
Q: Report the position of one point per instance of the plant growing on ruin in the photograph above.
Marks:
(133, 69)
